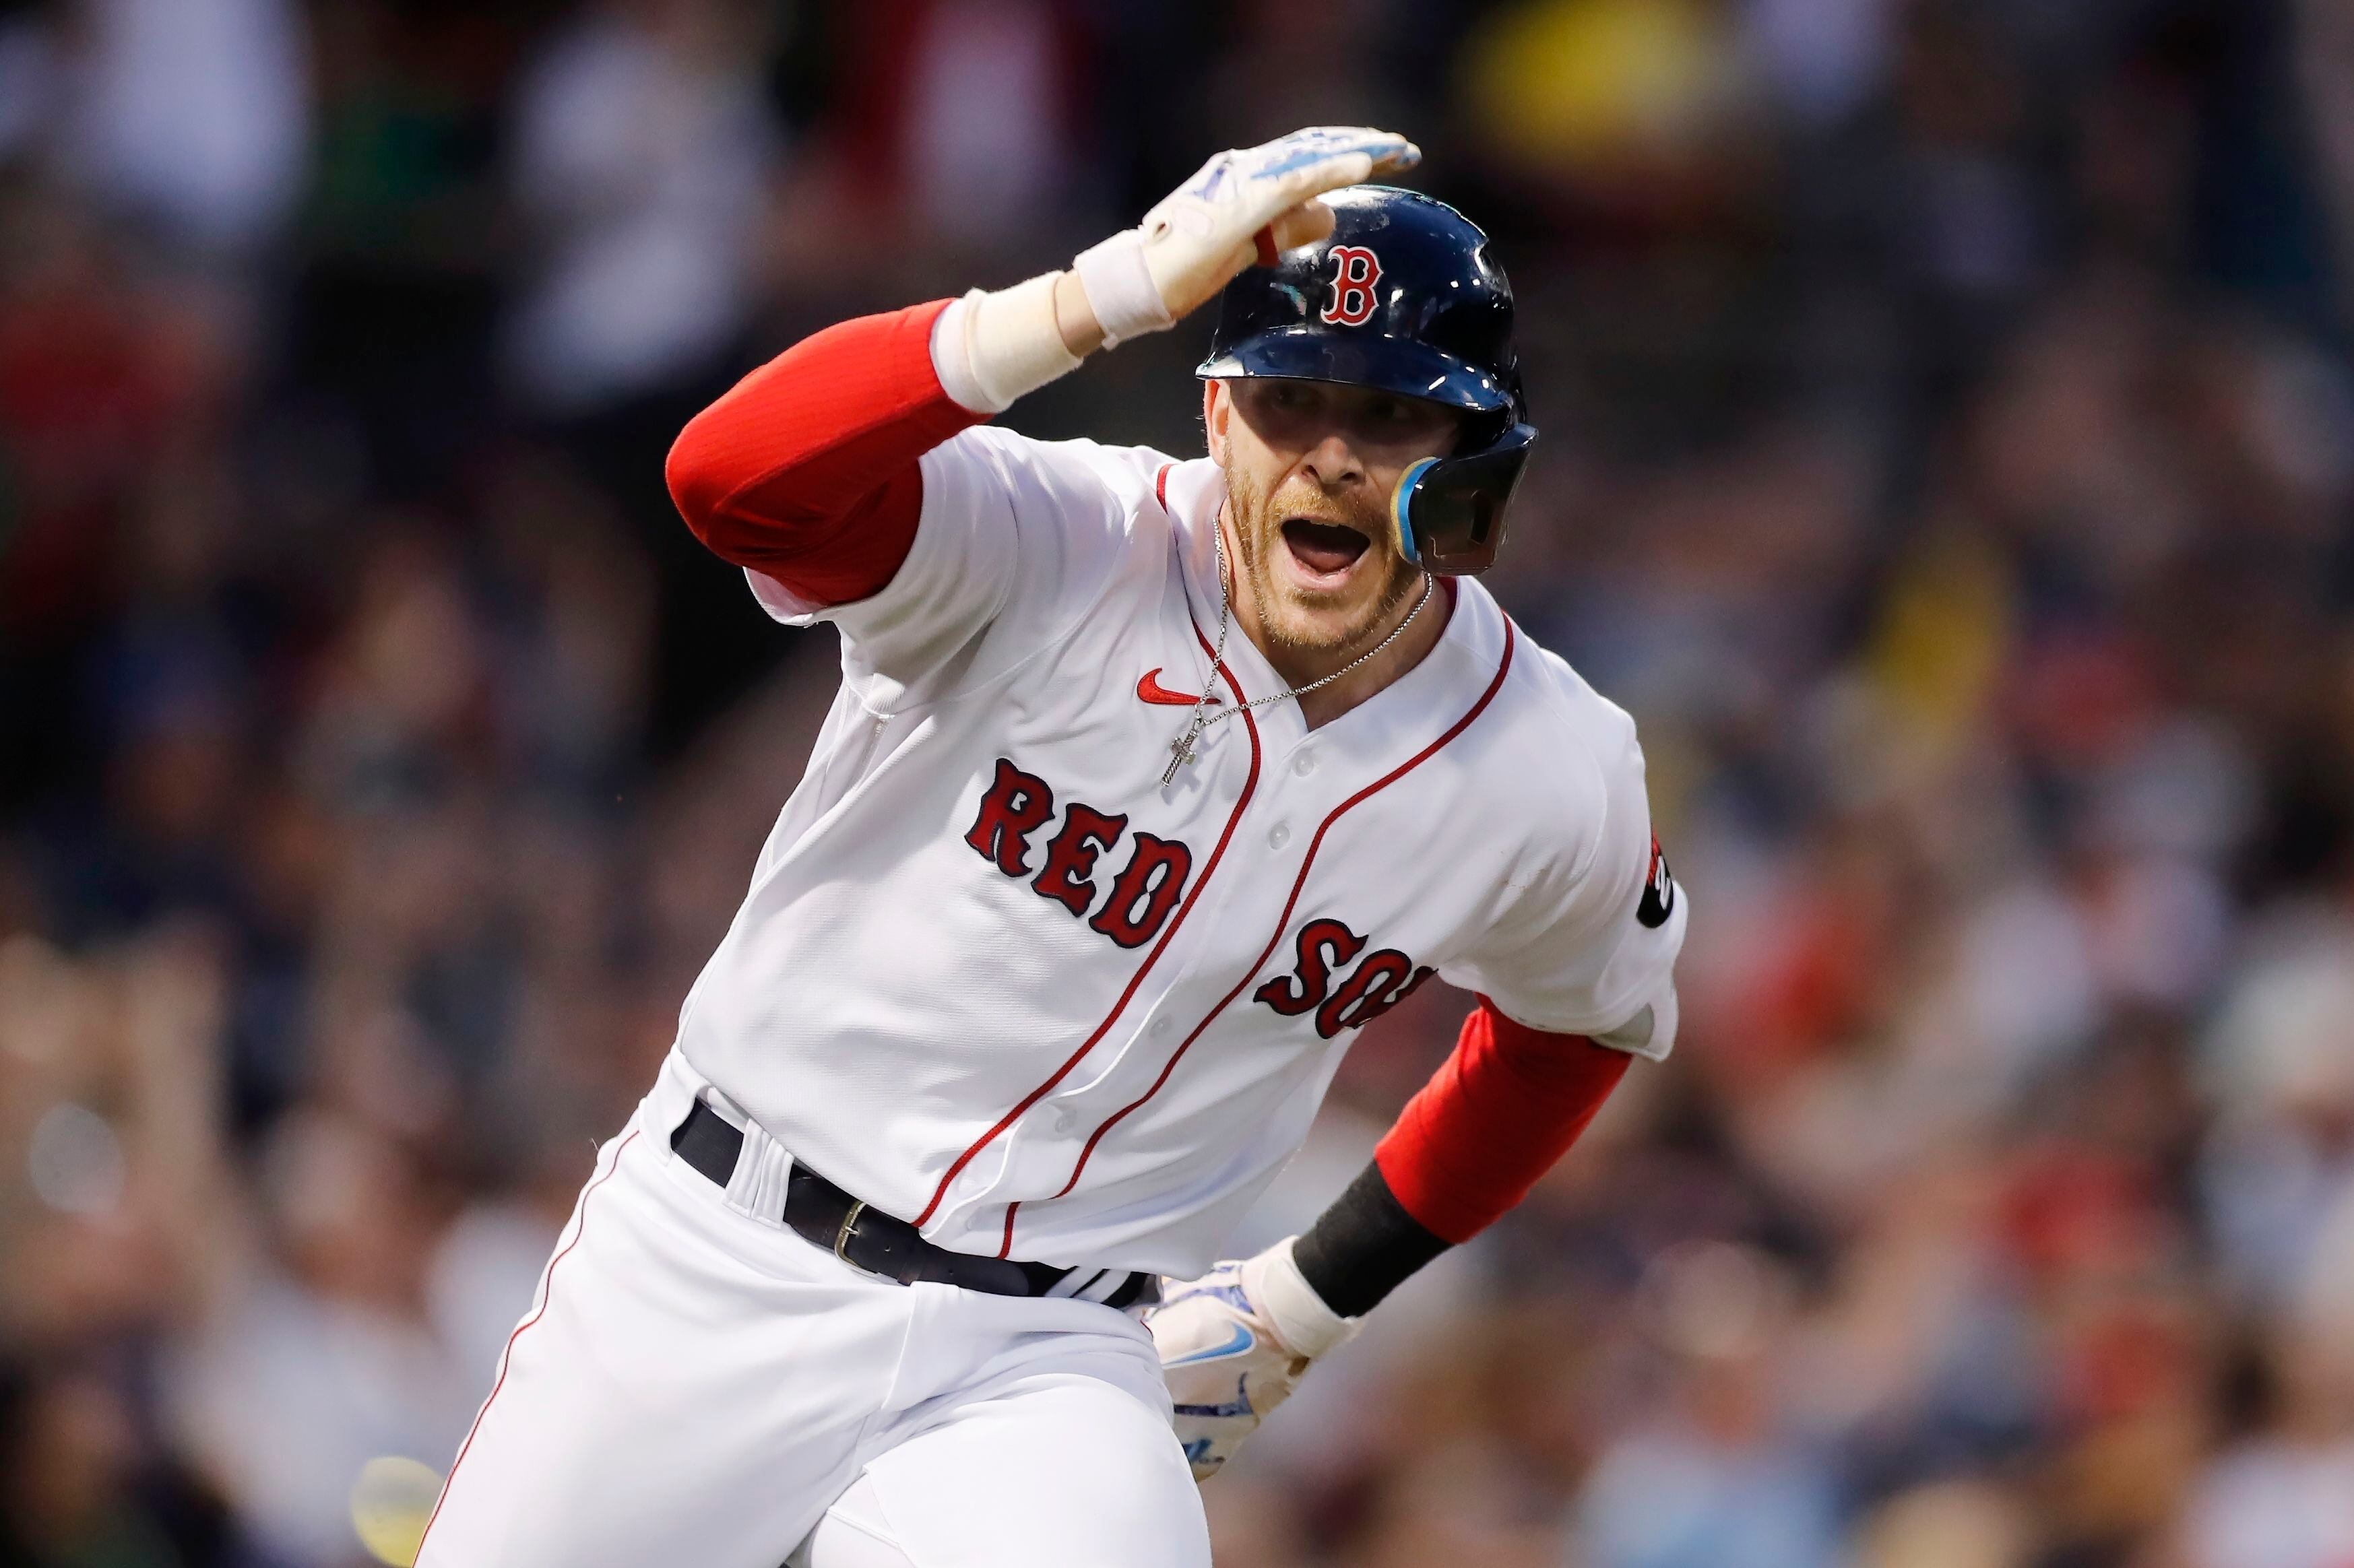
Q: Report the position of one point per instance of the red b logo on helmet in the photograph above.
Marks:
(1356, 270)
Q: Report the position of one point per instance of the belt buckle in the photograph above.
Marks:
(844, 1237)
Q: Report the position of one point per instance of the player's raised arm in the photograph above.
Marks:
(806, 472)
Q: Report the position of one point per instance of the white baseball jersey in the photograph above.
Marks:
(993, 977)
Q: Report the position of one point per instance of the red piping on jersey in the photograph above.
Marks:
(1006, 1245)
(1234, 818)
(1283, 922)
(547, 1294)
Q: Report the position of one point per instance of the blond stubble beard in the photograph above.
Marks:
(1249, 512)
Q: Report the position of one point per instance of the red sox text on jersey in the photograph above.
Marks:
(1147, 888)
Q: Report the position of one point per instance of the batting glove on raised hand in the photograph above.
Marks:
(1242, 207)
(1232, 1346)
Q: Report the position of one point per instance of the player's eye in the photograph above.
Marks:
(1394, 417)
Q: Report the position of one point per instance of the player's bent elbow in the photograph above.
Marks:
(695, 487)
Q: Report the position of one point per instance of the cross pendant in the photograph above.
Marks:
(1181, 752)
(1182, 749)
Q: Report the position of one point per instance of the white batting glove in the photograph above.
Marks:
(1242, 207)
(993, 348)
(1232, 1346)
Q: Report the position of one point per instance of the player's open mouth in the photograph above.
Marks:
(1325, 551)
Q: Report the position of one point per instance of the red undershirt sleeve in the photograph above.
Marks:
(805, 470)
(1508, 1102)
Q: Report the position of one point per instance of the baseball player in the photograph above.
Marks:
(1150, 782)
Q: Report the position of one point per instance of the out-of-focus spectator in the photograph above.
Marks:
(302, 1377)
(967, 126)
(642, 156)
(192, 116)
(2283, 1494)
(1717, 1476)
(84, 1484)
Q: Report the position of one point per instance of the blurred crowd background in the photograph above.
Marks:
(1948, 458)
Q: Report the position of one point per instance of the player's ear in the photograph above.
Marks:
(1217, 407)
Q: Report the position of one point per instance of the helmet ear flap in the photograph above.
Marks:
(1450, 512)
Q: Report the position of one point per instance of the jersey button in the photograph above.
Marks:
(1304, 764)
(1278, 835)
(1066, 1119)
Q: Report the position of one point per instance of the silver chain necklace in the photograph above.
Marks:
(1181, 749)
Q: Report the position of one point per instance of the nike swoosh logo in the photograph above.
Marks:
(1152, 691)
(1242, 1339)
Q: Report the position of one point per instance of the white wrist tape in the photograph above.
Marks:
(991, 348)
(1308, 1326)
(1120, 289)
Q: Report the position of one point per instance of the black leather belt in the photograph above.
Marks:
(868, 1239)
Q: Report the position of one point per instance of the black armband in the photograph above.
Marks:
(1363, 1247)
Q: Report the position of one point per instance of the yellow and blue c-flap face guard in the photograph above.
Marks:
(1402, 507)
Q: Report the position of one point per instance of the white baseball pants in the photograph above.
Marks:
(695, 1385)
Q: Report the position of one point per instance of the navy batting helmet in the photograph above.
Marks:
(1404, 296)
